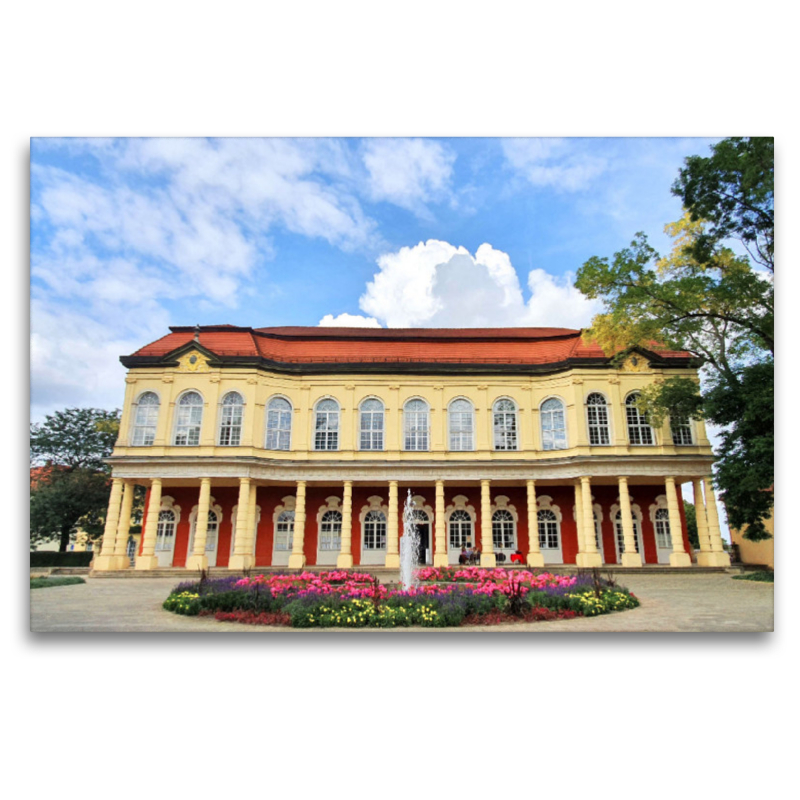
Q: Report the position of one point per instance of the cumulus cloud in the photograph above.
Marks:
(348, 321)
(560, 163)
(408, 172)
(435, 284)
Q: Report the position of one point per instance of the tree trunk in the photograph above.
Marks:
(63, 542)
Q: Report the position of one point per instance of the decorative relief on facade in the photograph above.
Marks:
(459, 503)
(214, 379)
(501, 504)
(167, 378)
(635, 363)
(193, 361)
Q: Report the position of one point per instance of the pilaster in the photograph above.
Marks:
(678, 557)
(392, 530)
(198, 558)
(345, 559)
(488, 558)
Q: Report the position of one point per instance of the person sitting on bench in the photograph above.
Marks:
(517, 557)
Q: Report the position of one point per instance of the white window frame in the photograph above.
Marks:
(542, 429)
(280, 433)
(331, 433)
(234, 428)
(374, 435)
(281, 553)
(419, 434)
(502, 432)
(681, 425)
(600, 428)
(637, 424)
(189, 426)
(619, 540)
(461, 426)
(151, 410)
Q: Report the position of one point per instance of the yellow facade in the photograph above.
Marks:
(761, 553)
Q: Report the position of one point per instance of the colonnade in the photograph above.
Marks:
(113, 554)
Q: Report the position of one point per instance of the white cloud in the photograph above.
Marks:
(436, 284)
(348, 321)
(408, 172)
(560, 163)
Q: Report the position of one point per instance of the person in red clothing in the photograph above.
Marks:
(517, 557)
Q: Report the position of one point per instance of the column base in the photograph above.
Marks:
(488, 560)
(393, 561)
(297, 561)
(440, 560)
(197, 562)
(588, 560)
(535, 560)
(242, 561)
(680, 560)
(146, 562)
(344, 561)
(713, 559)
(105, 563)
(123, 562)
(631, 560)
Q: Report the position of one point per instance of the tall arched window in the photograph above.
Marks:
(230, 424)
(637, 533)
(190, 417)
(461, 424)
(371, 425)
(663, 536)
(597, 418)
(279, 424)
(639, 430)
(503, 533)
(165, 532)
(415, 425)
(326, 425)
(330, 531)
(548, 530)
(284, 530)
(554, 424)
(144, 425)
(460, 527)
(681, 430)
(505, 425)
(375, 530)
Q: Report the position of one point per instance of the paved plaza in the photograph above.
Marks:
(702, 603)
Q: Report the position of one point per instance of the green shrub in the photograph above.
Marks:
(45, 583)
(49, 558)
(764, 576)
(186, 603)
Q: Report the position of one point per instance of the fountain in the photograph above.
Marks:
(409, 546)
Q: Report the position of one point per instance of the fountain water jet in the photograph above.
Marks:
(409, 546)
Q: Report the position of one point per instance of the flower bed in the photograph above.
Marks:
(445, 598)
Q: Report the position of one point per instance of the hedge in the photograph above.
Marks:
(50, 558)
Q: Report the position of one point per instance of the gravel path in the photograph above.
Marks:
(677, 603)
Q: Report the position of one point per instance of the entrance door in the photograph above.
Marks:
(620, 537)
(423, 556)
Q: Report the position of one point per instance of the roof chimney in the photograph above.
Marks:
(197, 332)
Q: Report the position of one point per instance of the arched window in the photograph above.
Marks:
(415, 425)
(554, 425)
(330, 531)
(211, 532)
(505, 425)
(663, 536)
(144, 425)
(460, 527)
(621, 535)
(681, 430)
(230, 424)
(371, 425)
(375, 530)
(639, 430)
(279, 424)
(326, 425)
(165, 532)
(284, 530)
(461, 422)
(548, 530)
(503, 533)
(597, 417)
(190, 417)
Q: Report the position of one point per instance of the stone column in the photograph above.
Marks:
(488, 558)
(535, 557)
(440, 556)
(106, 560)
(345, 559)
(718, 557)
(148, 559)
(124, 528)
(630, 558)
(702, 524)
(252, 523)
(579, 516)
(678, 557)
(198, 558)
(590, 557)
(297, 559)
(241, 558)
(392, 531)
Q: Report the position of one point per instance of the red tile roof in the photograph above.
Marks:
(319, 345)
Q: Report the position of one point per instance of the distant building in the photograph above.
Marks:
(298, 446)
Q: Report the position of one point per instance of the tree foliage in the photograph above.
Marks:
(705, 298)
(691, 524)
(75, 437)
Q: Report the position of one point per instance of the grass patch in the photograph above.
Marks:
(46, 583)
(764, 576)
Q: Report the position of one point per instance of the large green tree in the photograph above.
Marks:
(72, 488)
(707, 298)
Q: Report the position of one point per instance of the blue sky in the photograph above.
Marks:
(129, 236)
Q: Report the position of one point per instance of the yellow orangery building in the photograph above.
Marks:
(293, 447)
